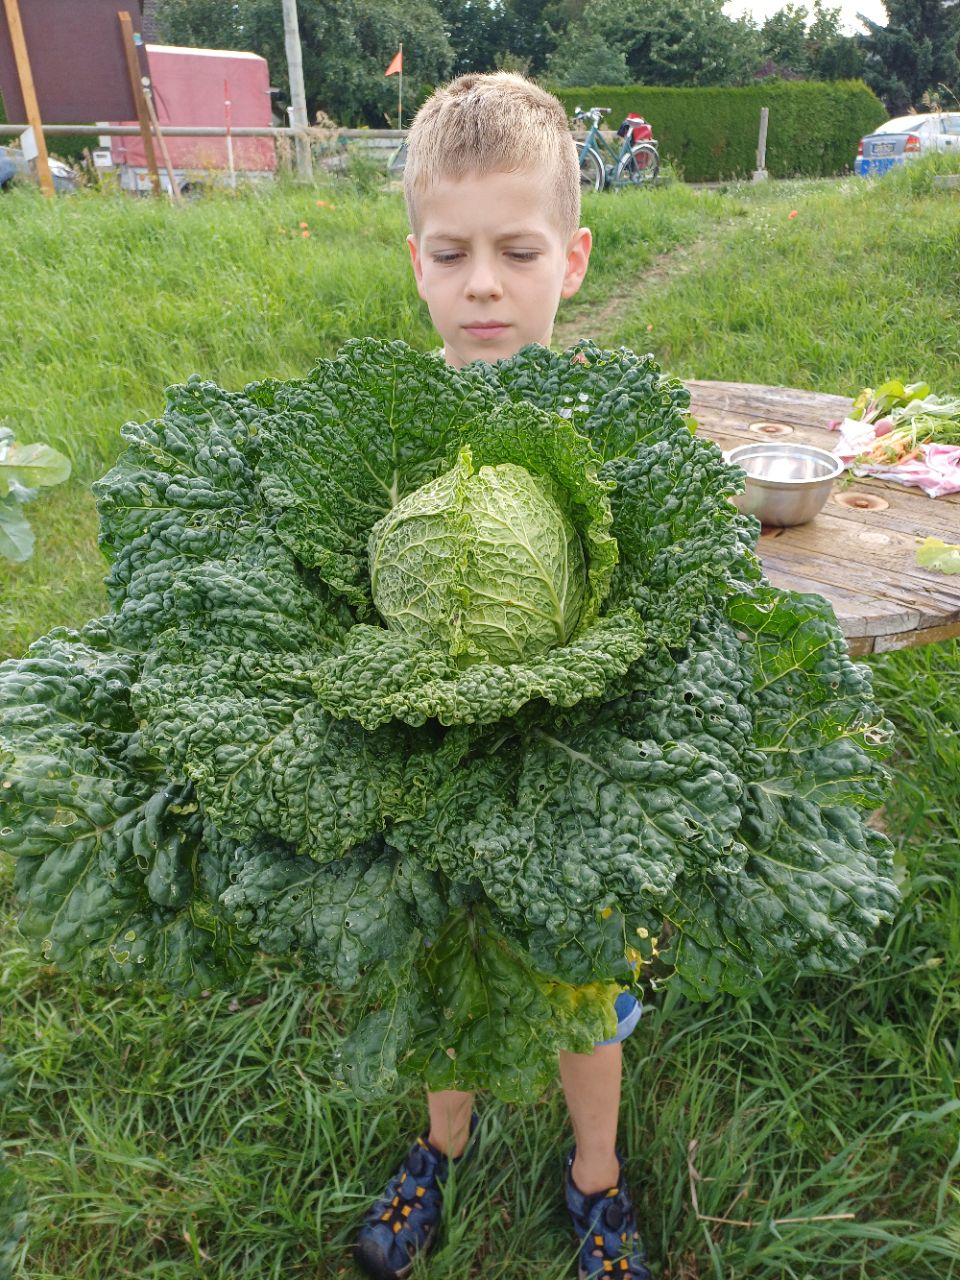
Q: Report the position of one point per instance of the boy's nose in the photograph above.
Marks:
(483, 281)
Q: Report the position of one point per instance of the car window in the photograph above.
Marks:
(904, 124)
(951, 123)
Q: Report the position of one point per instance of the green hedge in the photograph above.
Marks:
(711, 134)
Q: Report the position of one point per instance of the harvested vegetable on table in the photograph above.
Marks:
(934, 553)
(904, 433)
(876, 405)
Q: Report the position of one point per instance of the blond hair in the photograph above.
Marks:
(497, 122)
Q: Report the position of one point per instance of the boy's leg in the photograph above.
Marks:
(405, 1221)
(450, 1112)
(591, 1085)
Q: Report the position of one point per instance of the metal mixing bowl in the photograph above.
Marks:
(786, 483)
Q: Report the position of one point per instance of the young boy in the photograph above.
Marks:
(493, 195)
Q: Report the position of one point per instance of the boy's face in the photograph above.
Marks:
(492, 265)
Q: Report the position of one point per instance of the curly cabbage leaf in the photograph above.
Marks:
(13, 1216)
(483, 563)
(474, 838)
(118, 872)
(467, 1010)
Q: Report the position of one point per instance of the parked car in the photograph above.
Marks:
(905, 137)
(13, 165)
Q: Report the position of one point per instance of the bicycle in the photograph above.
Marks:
(636, 164)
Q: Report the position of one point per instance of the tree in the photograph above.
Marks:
(668, 42)
(914, 53)
(831, 54)
(586, 58)
(478, 32)
(347, 45)
(203, 24)
(796, 42)
(783, 39)
(529, 35)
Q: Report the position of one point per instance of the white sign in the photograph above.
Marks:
(28, 143)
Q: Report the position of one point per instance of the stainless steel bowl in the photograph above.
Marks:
(786, 483)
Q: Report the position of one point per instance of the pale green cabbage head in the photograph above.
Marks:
(483, 564)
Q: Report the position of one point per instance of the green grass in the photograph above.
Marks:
(62, 583)
(110, 300)
(160, 1138)
(859, 285)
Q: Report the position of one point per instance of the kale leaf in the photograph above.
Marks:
(244, 755)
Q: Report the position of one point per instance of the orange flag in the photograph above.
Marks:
(396, 66)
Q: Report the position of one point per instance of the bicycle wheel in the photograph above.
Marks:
(592, 176)
(640, 167)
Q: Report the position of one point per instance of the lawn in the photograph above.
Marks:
(209, 1139)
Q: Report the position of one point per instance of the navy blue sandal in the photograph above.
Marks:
(403, 1224)
(607, 1230)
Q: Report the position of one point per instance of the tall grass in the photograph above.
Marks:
(826, 287)
(162, 1138)
(108, 300)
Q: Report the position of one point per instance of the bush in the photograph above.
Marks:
(711, 134)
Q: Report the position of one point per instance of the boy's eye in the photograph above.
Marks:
(448, 257)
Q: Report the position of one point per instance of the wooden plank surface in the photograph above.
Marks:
(861, 559)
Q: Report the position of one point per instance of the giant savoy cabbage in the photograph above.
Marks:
(463, 688)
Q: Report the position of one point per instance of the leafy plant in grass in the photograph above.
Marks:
(13, 1216)
(23, 469)
(465, 688)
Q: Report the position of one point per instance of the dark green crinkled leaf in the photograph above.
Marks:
(582, 822)
(13, 1216)
(190, 471)
(242, 757)
(617, 399)
(383, 675)
(267, 760)
(682, 545)
(816, 881)
(343, 445)
(112, 864)
(256, 599)
(468, 1010)
(343, 918)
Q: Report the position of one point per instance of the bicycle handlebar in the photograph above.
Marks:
(592, 112)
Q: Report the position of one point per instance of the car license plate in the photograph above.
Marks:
(883, 148)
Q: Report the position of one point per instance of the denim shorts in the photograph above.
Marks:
(628, 1009)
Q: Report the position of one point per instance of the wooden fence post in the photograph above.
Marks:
(29, 93)
(760, 173)
(140, 101)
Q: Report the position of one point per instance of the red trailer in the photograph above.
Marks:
(201, 87)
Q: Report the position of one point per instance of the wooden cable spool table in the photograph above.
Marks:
(859, 552)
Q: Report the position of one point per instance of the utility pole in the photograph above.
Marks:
(298, 97)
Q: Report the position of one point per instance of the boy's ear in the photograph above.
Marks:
(417, 262)
(578, 255)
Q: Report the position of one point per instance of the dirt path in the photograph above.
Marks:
(606, 316)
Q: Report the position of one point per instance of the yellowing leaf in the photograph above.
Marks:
(934, 553)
